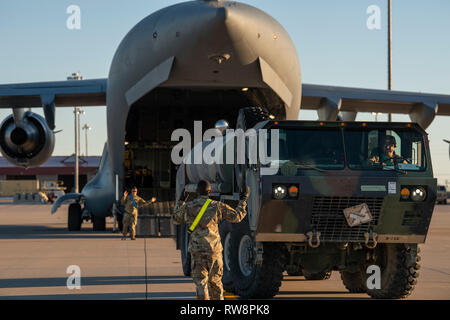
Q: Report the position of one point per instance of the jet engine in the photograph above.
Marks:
(25, 139)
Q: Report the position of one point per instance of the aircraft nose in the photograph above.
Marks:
(211, 44)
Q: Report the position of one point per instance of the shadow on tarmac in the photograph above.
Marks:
(109, 296)
(85, 296)
(135, 280)
(42, 232)
(92, 281)
(98, 281)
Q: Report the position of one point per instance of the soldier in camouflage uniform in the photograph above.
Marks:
(205, 245)
(131, 212)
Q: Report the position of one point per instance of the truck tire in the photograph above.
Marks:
(248, 118)
(251, 280)
(225, 236)
(98, 223)
(324, 275)
(185, 255)
(399, 265)
(74, 217)
(355, 282)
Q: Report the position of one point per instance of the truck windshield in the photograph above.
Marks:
(385, 149)
(312, 148)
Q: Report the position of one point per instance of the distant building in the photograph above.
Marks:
(57, 168)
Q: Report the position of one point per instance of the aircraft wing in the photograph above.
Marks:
(59, 93)
(330, 100)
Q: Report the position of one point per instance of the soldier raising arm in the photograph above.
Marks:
(132, 202)
(224, 211)
(202, 216)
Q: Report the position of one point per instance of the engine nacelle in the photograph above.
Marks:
(28, 142)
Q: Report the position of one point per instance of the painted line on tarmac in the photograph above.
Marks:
(229, 296)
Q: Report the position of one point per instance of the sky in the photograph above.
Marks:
(334, 44)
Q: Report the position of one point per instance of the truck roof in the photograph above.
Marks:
(334, 124)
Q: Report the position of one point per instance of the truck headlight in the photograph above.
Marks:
(418, 194)
(279, 192)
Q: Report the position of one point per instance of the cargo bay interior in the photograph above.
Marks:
(154, 117)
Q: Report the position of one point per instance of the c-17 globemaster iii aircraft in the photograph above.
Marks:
(197, 60)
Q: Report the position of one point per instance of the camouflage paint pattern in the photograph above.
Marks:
(394, 215)
(328, 192)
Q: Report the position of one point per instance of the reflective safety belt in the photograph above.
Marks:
(132, 200)
(199, 216)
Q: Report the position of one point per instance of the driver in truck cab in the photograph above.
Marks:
(388, 156)
(203, 215)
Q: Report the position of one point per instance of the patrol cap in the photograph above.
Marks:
(390, 140)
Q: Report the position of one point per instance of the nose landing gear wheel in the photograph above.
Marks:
(99, 223)
(74, 217)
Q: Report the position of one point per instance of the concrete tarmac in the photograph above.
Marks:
(36, 251)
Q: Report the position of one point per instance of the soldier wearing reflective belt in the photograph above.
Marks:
(203, 215)
(132, 202)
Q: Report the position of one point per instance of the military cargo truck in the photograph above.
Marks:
(349, 197)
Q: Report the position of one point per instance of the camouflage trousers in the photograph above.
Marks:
(207, 271)
(129, 223)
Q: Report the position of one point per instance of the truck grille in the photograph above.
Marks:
(328, 218)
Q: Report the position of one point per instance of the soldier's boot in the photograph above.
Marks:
(133, 232)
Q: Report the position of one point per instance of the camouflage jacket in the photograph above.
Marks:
(206, 237)
(129, 207)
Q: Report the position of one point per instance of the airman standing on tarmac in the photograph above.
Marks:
(203, 215)
(131, 202)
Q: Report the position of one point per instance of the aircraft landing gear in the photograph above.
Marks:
(98, 223)
(74, 218)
